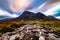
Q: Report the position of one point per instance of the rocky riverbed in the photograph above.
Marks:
(30, 32)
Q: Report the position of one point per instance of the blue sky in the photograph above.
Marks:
(14, 8)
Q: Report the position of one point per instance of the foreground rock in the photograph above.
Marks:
(30, 32)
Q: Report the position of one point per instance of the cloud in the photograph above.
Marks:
(19, 5)
(38, 9)
(57, 12)
(42, 5)
(58, 17)
(52, 10)
(36, 3)
(13, 8)
(7, 14)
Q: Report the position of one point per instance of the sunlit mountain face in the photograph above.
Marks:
(14, 8)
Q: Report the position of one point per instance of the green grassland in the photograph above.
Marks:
(10, 25)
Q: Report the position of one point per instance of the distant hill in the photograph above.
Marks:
(40, 16)
(2, 17)
(51, 17)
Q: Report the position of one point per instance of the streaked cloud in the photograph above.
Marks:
(51, 11)
(13, 8)
(48, 5)
(5, 13)
(19, 5)
(42, 5)
(58, 17)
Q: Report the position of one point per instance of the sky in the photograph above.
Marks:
(14, 8)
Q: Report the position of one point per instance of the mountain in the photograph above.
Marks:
(27, 15)
(31, 15)
(40, 16)
(51, 17)
(3, 17)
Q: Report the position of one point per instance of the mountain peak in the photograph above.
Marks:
(31, 15)
(27, 14)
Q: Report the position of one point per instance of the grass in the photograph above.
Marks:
(12, 24)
